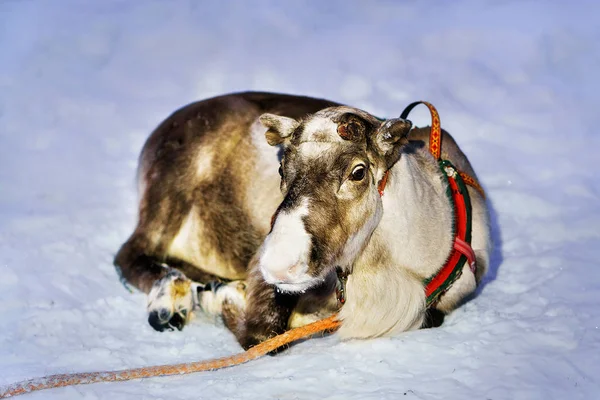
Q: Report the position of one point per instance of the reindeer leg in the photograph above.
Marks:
(136, 266)
(169, 291)
(172, 295)
(266, 312)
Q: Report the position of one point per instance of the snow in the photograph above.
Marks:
(83, 83)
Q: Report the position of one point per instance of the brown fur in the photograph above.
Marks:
(171, 187)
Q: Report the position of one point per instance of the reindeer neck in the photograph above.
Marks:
(384, 292)
(416, 228)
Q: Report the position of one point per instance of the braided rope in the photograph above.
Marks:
(61, 380)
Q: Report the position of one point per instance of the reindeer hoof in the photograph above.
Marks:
(170, 302)
(160, 320)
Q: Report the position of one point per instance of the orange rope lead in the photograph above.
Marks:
(61, 380)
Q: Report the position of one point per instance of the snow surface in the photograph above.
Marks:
(82, 84)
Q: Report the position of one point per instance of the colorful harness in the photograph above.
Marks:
(458, 195)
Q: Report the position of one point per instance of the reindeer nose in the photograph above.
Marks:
(290, 274)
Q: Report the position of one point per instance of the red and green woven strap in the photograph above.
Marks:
(458, 196)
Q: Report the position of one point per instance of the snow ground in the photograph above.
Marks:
(83, 83)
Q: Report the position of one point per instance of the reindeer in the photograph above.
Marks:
(266, 233)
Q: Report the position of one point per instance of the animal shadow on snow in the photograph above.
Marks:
(496, 255)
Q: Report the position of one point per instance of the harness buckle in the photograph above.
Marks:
(450, 170)
(340, 287)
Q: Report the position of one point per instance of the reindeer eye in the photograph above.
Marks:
(358, 173)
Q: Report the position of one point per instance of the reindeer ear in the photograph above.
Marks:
(278, 128)
(391, 134)
(351, 127)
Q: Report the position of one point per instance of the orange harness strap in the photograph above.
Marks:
(435, 141)
(435, 147)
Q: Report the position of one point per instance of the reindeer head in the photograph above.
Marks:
(332, 163)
